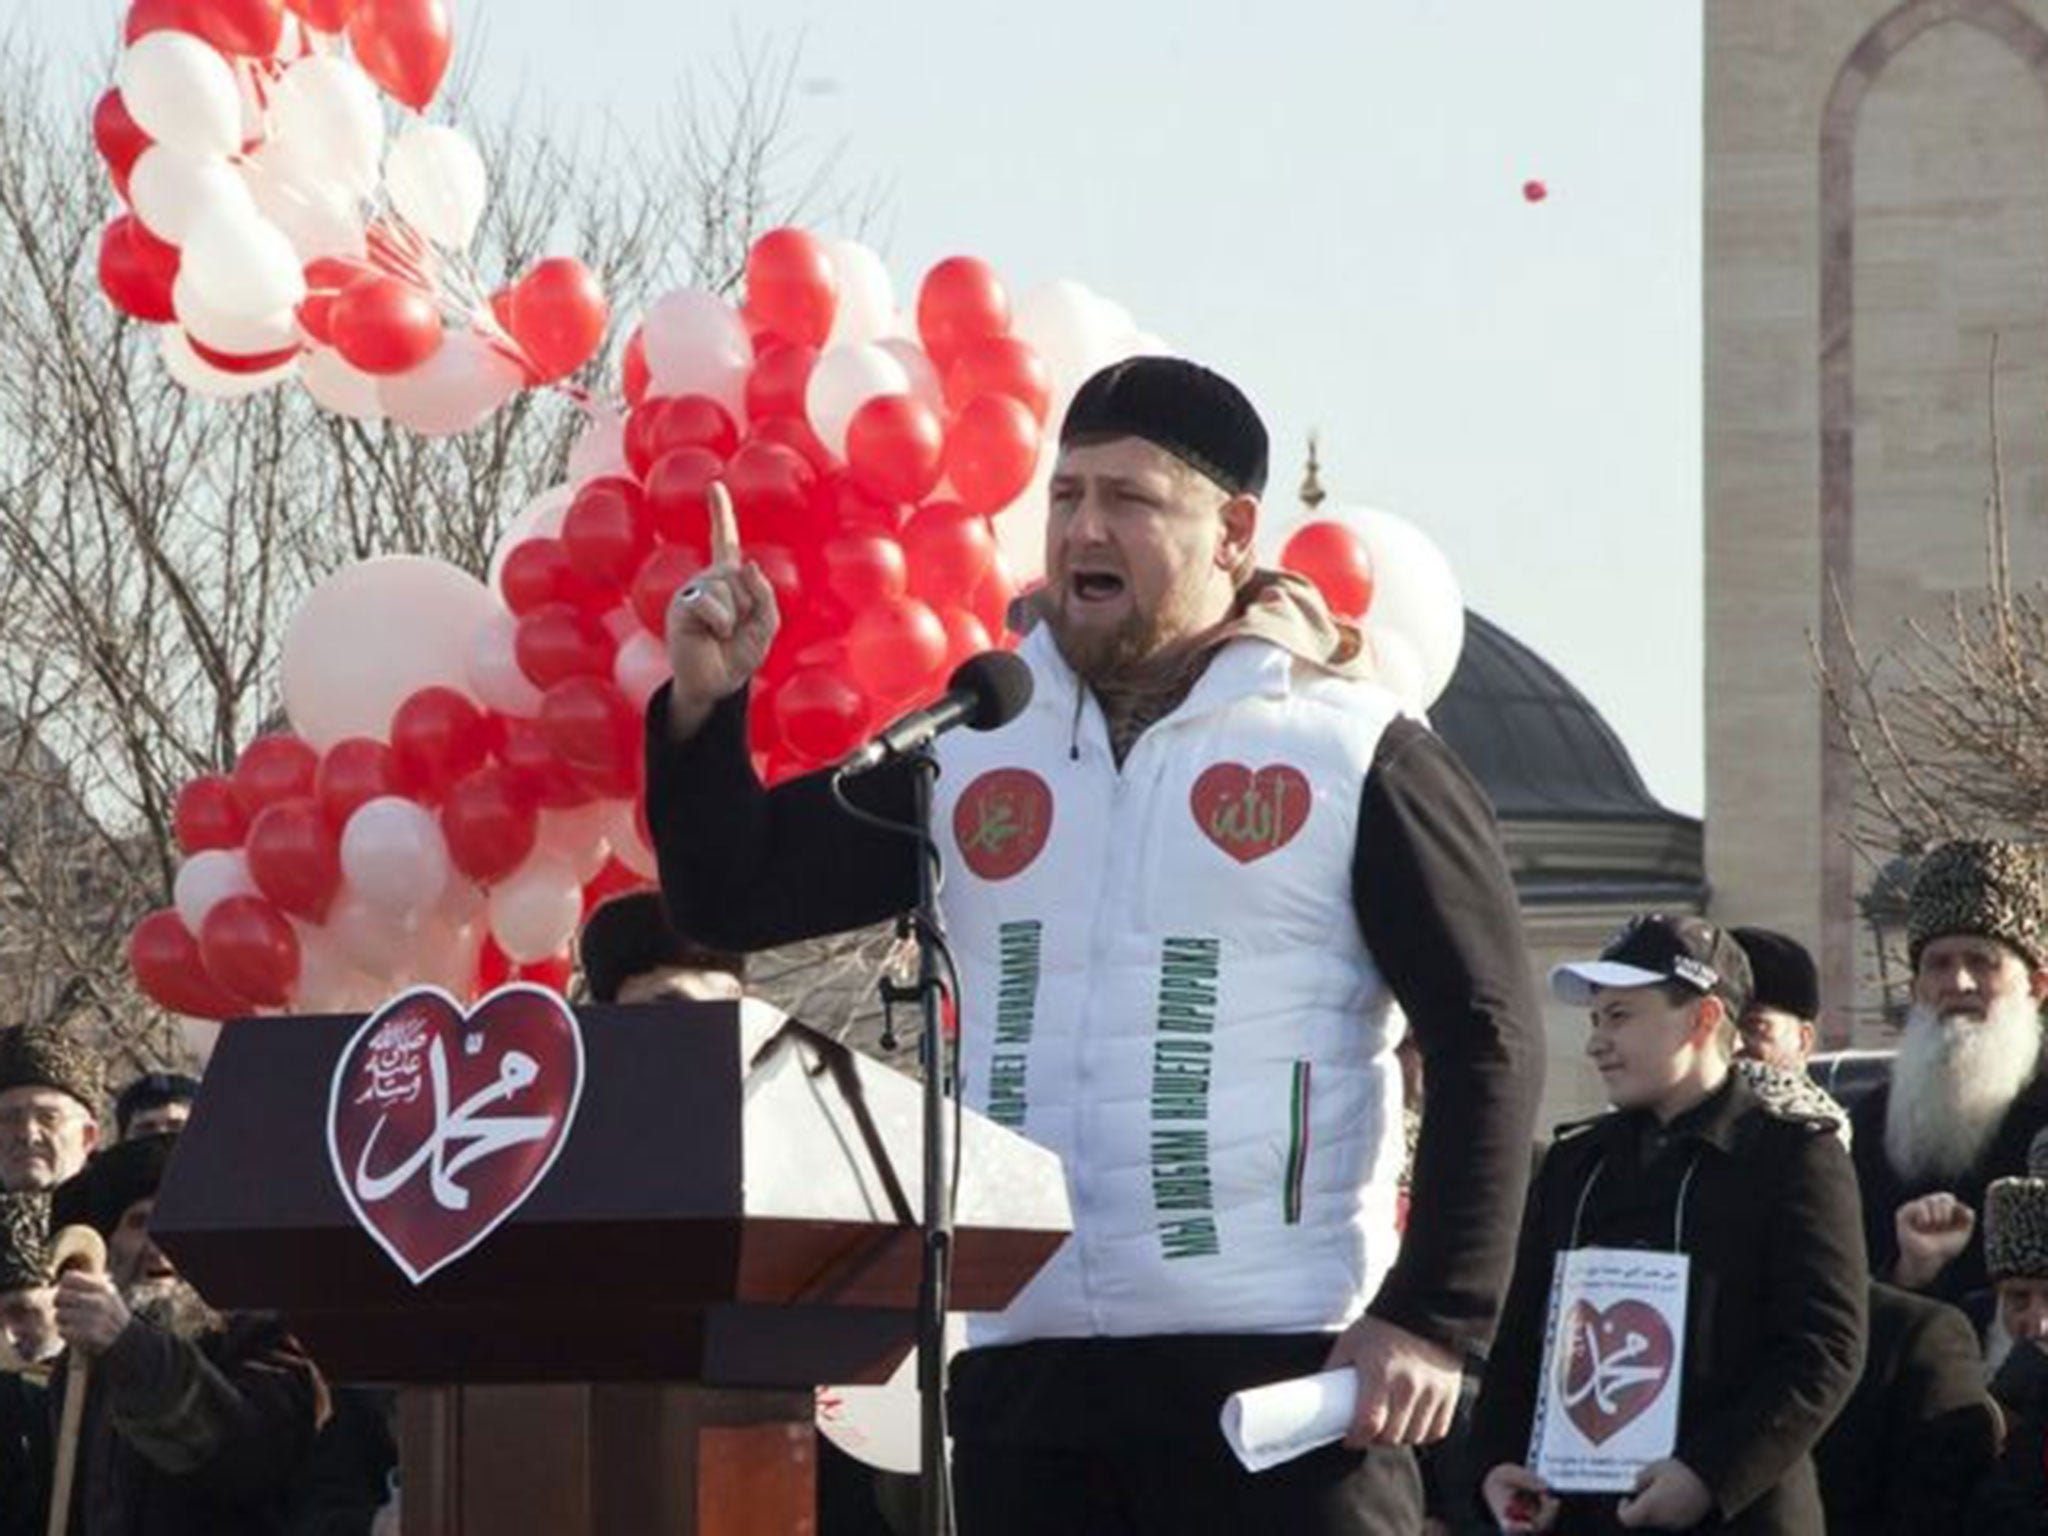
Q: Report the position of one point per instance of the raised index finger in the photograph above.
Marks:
(725, 528)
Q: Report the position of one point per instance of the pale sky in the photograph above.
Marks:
(1324, 202)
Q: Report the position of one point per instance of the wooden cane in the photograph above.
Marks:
(75, 1248)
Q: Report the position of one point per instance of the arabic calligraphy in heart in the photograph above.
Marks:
(441, 1124)
(1618, 1362)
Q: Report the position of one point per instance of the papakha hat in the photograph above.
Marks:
(1989, 887)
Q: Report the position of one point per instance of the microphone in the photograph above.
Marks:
(986, 691)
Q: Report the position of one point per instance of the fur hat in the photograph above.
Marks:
(1991, 888)
(1794, 1096)
(123, 1174)
(1782, 972)
(2016, 1220)
(39, 1056)
(24, 1240)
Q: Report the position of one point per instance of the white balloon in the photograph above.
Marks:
(454, 390)
(540, 518)
(174, 190)
(600, 448)
(1397, 665)
(1020, 527)
(576, 837)
(1075, 331)
(329, 980)
(844, 380)
(240, 335)
(866, 309)
(627, 845)
(445, 955)
(393, 855)
(319, 219)
(206, 879)
(372, 634)
(202, 378)
(1415, 594)
(494, 673)
(463, 901)
(338, 387)
(535, 910)
(325, 115)
(924, 376)
(697, 344)
(373, 939)
(640, 667)
(242, 265)
(182, 93)
(436, 181)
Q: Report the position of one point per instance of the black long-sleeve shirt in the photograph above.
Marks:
(745, 868)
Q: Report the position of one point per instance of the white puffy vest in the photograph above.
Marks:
(1163, 981)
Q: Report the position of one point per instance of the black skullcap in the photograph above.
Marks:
(153, 1090)
(1199, 417)
(630, 934)
(24, 1241)
(1783, 971)
(126, 1172)
(43, 1056)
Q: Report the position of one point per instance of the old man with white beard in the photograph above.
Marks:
(1967, 1093)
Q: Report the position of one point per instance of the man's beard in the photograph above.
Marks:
(172, 1305)
(1952, 1084)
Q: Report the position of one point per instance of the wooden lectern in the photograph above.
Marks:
(731, 1221)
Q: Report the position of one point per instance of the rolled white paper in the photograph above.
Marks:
(1285, 1419)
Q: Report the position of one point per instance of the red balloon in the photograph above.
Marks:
(779, 564)
(962, 302)
(490, 823)
(137, 270)
(437, 735)
(792, 289)
(165, 960)
(949, 549)
(535, 573)
(965, 635)
(660, 574)
(614, 879)
(275, 767)
(896, 447)
(326, 15)
(1335, 559)
(118, 136)
(592, 728)
(1534, 191)
(896, 647)
(991, 600)
(493, 967)
(209, 814)
(780, 376)
(634, 374)
(553, 973)
(557, 642)
(403, 45)
(991, 452)
(664, 423)
(1000, 365)
(295, 857)
(864, 568)
(242, 362)
(354, 771)
(147, 16)
(677, 488)
(249, 948)
(383, 325)
(794, 433)
(558, 315)
(607, 531)
(770, 487)
(819, 714)
(253, 27)
(326, 277)
(536, 771)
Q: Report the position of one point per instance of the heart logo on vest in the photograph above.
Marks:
(1249, 815)
(1616, 1367)
(1001, 822)
(441, 1123)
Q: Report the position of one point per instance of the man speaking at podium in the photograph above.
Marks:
(1192, 889)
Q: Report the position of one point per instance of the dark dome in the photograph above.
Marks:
(1540, 749)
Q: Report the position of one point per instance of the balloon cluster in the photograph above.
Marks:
(462, 780)
(1390, 578)
(272, 233)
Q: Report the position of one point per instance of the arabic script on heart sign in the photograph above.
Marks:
(1618, 1362)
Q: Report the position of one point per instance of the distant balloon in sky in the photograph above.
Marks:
(1534, 191)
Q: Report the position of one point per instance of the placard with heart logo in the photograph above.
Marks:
(1002, 821)
(1618, 1362)
(1249, 815)
(441, 1123)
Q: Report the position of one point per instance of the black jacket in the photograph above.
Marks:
(1775, 1310)
(1919, 1434)
(1884, 1191)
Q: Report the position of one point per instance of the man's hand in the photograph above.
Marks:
(1518, 1499)
(1669, 1496)
(1932, 1232)
(1407, 1387)
(90, 1312)
(720, 624)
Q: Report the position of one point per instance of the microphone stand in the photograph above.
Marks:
(935, 1503)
